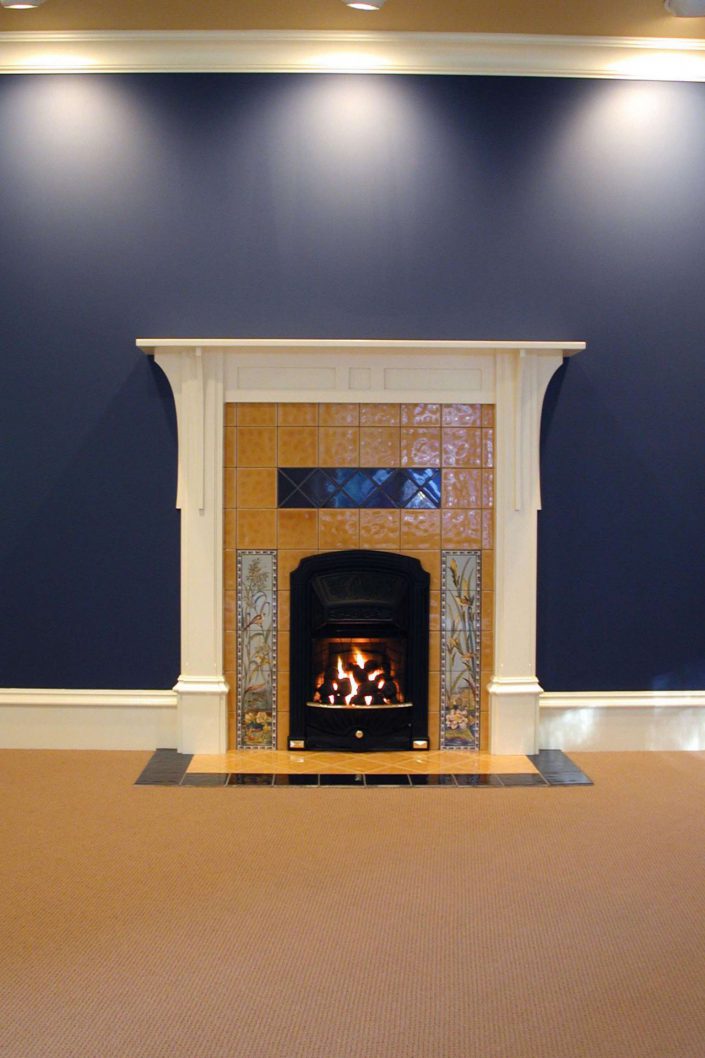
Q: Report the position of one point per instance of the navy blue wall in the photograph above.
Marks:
(358, 207)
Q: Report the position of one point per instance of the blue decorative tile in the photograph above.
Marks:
(257, 649)
(359, 487)
(460, 649)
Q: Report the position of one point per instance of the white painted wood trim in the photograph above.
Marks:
(598, 721)
(39, 718)
(306, 51)
(206, 373)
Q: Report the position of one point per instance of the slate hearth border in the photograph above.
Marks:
(167, 767)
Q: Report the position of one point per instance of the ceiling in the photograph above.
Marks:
(605, 18)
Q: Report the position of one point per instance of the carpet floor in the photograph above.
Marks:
(149, 922)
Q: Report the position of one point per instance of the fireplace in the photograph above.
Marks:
(359, 652)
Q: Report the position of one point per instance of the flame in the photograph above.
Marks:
(343, 675)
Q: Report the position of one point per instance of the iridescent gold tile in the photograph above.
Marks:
(338, 415)
(229, 652)
(380, 530)
(488, 448)
(230, 570)
(257, 415)
(338, 530)
(379, 446)
(288, 561)
(256, 529)
(461, 529)
(488, 529)
(230, 414)
(487, 415)
(461, 414)
(229, 610)
(230, 447)
(283, 610)
(230, 488)
(421, 415)
(420, 446)
(462, 446)
(420, 530)
(487, 610)
(256, 446)
(431, 562)
(230, 529)
(297, 414)
(434, 612)
(339, 446)
(461, 488)
(488, 570)
(298, 446)
(257, 487)
(379, 414)
(298, 529)
(488, 488)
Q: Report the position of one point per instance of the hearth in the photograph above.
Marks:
(359, 652)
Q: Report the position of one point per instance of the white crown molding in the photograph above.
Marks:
(295, 51)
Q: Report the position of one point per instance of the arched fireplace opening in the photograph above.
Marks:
(359, 652)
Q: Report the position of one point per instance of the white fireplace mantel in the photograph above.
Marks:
(207, 373)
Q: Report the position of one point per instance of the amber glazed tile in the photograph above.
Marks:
(488, 570)
(256, 415)
(338, 415)
(431, 562)
(420, 446)
(420, 530)
(379, 414)
(230, 488)
(461, 488)
(298, 446)
(434, 762)
(230, 414)
(283, 654)
(229, 611)
(488, 529)
(434, 612)
(488, 448)
(461, 528)
(338, 530)
(230, 447)
(230, 570)
(229, 652)
(339, 446)
(379, 446)
(256, 446)
(230, 529)
(257, 487)
(461, 446)
(488, 488)
(283, 610)
(297, 414)
(421, 415)
(380, 530)
(487, 414)
(287, 561)
(462, 414)
(298, 529)
(256, 529)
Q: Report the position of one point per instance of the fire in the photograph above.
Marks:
(365, 682)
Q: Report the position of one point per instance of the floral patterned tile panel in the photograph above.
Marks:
(257, 649)
(460, 650)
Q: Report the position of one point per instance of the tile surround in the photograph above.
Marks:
(297, 482)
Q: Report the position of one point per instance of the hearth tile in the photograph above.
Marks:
(166, 767)
(257, 487)
(478, 779)
(387, 780)
(250, 779)
(488, 448)
(209, 778)
(230, 447)
(297, 446)
(421, 414)
(298, 529)
(488, 488)
(518, 779)
(462, 488)
(420, 446)
(462, 414)
(297, 414)
(338, 414)
(461, 529)
(230, 529)
(257, 414)
(379, 446)
(488, 530)
(343, 780)
(420, 530)
(380, 530)
(339, 446)
(338, 530)
(256, 529)
(461, 446)
(567, 778)
(302, 779)
(432, 780)
(380, 414)
(256, 446)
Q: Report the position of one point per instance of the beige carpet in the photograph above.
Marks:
(143, 922)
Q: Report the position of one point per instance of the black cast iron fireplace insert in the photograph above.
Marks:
(359, 652)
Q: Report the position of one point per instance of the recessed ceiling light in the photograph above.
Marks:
(21, 5)
(686, 8)
(365, 5)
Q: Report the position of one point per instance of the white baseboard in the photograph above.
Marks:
(622, 720)
(87, 719)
